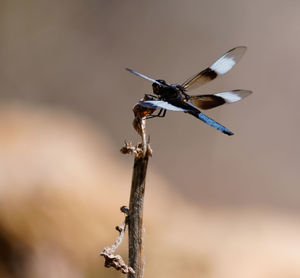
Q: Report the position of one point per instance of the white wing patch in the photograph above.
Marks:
(160, 104)
(233, 96)
(228, 60)
(223, 65)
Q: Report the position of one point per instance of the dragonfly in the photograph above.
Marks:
(174, 97)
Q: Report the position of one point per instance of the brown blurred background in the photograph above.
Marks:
(217, 206)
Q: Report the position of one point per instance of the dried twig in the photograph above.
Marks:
(136, 202)
(134, 218)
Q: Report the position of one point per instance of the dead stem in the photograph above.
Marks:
(134, 218)
(136, 202)
(136, 205)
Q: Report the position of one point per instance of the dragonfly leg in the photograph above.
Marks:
(150, 97)
(160, 114)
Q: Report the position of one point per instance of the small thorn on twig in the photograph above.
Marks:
(119, 229)
(125, 210)
(149, 150)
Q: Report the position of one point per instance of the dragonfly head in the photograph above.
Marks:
(158, 87)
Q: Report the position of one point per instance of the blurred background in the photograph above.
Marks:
(216, 206)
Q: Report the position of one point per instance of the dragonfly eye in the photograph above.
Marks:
(157, 87)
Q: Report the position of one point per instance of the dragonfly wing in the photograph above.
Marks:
(220, 67)
(144, 76)
(214, 100)
(161, 104)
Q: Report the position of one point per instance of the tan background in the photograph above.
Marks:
(70, 56)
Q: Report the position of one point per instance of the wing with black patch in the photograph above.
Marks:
(214, 100)
(220, 67)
